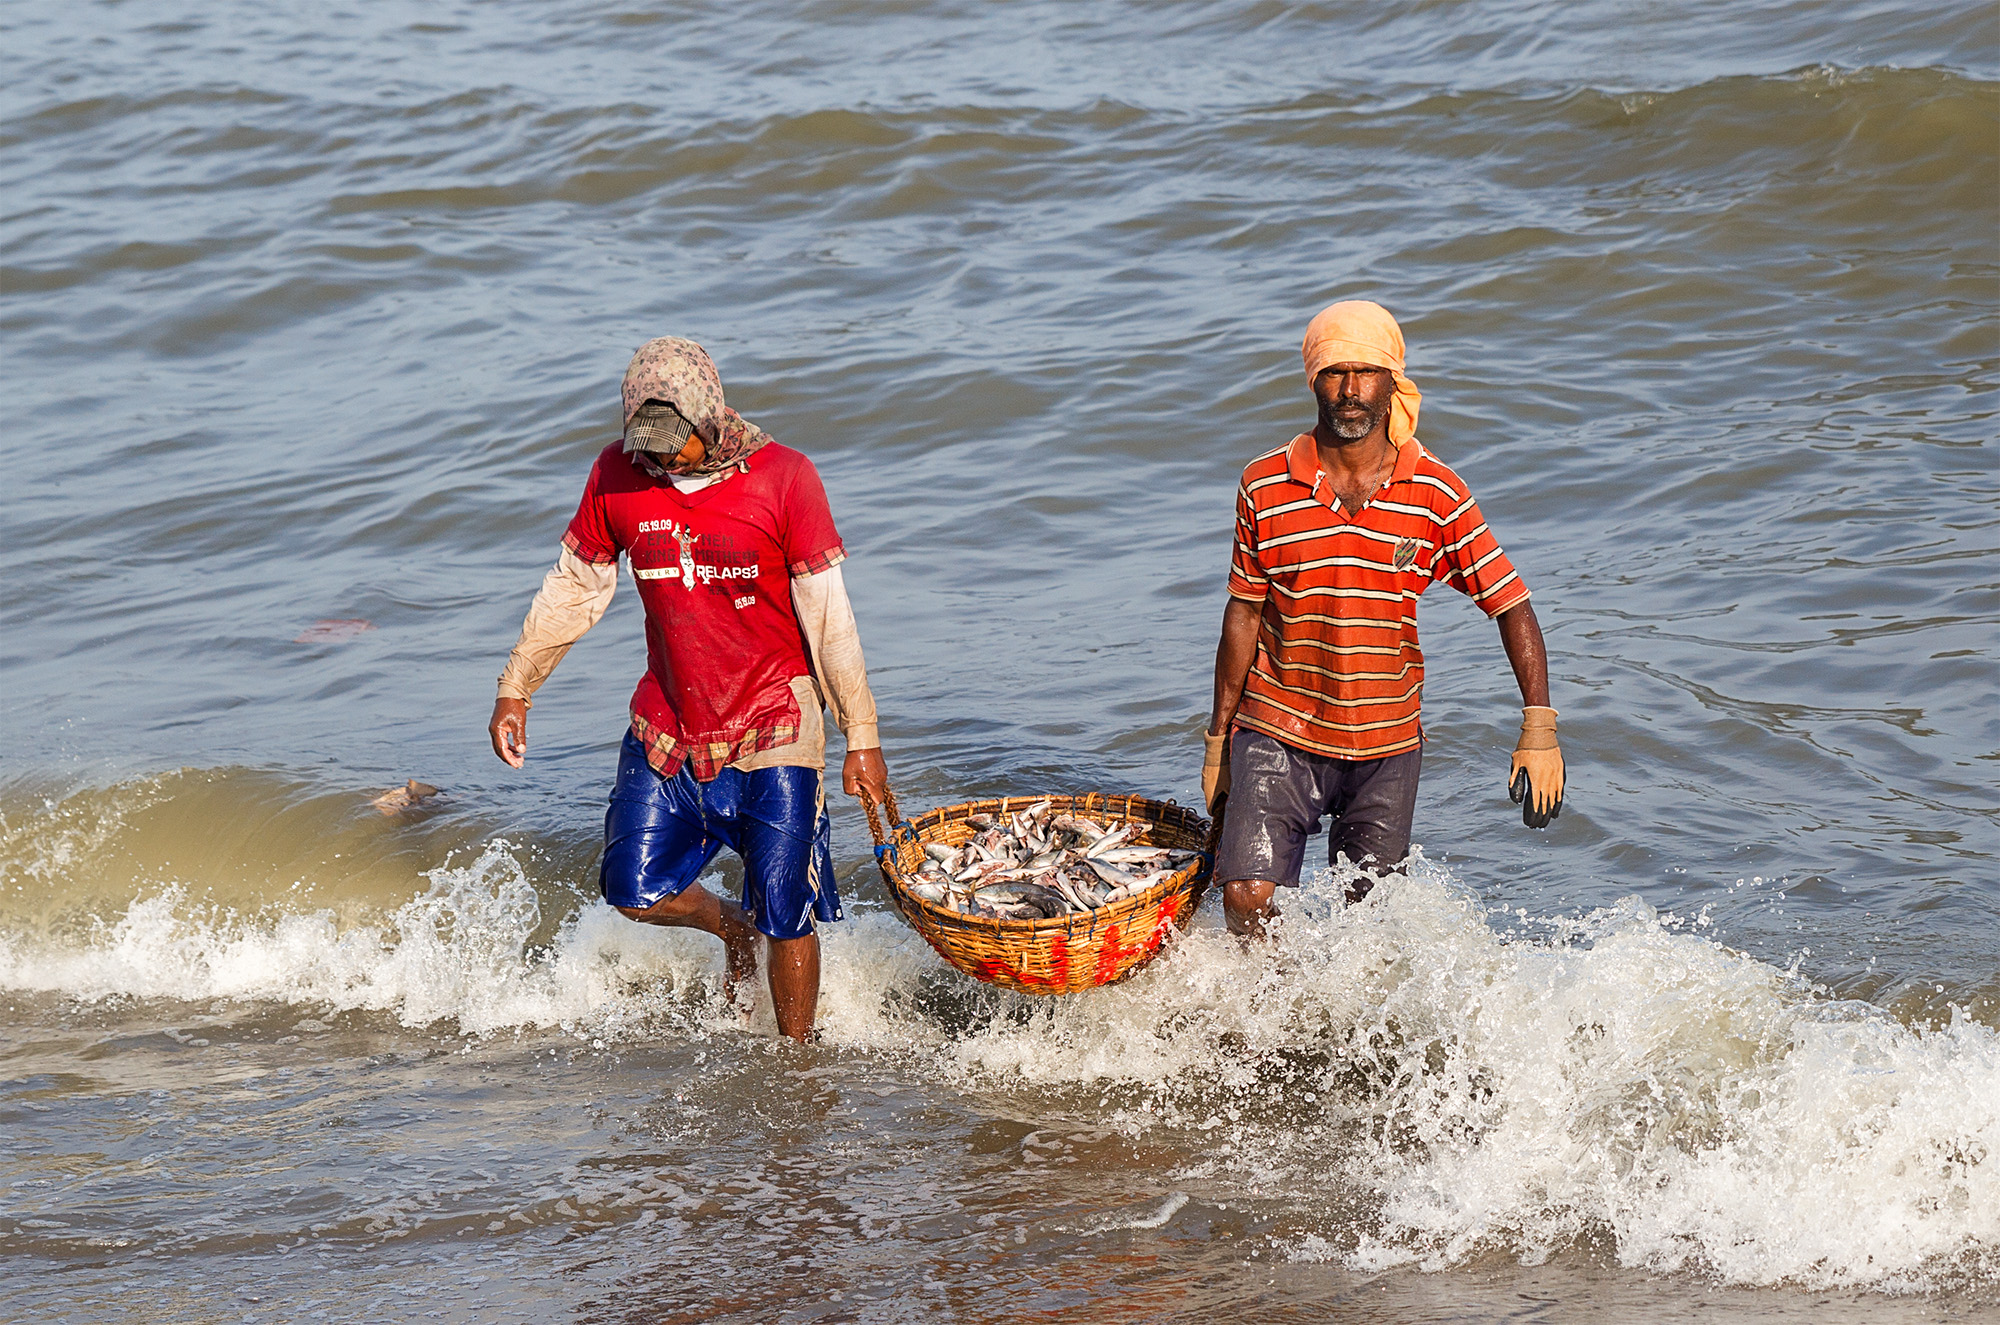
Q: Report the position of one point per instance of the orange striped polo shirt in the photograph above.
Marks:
(1338, 669)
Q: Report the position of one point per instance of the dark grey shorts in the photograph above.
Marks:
(1278, 793)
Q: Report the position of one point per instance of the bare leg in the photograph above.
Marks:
(1246, 904)
(794, 978)
(695, 907)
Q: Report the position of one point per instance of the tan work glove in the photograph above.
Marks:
(1535, 782)
(1214, 769)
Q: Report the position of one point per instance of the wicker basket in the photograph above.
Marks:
(1067, 953)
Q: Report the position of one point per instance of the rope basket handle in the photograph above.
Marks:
(882, 852)
(868, 803)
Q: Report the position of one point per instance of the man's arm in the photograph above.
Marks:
(1521, 636)
(826, 618)
(572, 599)
(1535, 778)
(1470, 560)
(1234, 653)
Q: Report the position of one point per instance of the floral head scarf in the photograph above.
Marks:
(678, 371)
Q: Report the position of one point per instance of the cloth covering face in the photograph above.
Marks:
(1358, 331)
(678, 371)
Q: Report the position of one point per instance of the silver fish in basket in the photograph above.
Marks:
(1037, 864)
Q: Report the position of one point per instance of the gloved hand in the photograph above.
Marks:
(1536, 780)
(1214, 769)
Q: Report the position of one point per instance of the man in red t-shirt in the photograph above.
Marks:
(748, 634)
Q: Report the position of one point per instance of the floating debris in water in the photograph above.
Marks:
(332, 632)
(1038, 865)
(396, 799)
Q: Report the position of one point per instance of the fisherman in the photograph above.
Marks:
(748, 633)
(1318, 675)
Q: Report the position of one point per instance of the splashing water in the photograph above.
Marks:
(1493, 1092)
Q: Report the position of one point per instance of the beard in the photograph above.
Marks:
(1352, 429)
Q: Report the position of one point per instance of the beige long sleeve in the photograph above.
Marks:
(573, 597)
(826, 618)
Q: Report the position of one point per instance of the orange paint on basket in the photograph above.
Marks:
(1111, 954)
(1058, 977)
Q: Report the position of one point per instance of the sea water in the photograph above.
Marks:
(315, 323)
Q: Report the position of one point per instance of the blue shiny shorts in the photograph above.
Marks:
(661, 833)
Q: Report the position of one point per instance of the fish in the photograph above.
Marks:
(1111, 874)
(1074, 895)
(1076, 823)
(1047, 903)
(1132, 855)
(411, 793)
(1037, 863)
(1117, 837)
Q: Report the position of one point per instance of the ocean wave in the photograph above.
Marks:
(1614, 1075)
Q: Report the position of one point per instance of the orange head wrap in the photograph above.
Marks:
(1357, 331)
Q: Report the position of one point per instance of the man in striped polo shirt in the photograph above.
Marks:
(1319, 677)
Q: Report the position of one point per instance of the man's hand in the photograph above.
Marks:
(1214, 769)
(509, 730)
(865, 768)
(1535, 781)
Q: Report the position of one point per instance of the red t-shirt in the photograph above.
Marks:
(714, 569)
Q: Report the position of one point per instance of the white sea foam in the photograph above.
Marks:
(1497, 1093)
(458, 952)
(1152, 1217)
